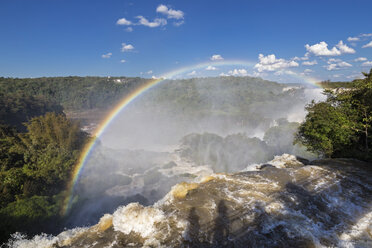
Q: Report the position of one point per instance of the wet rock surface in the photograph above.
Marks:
(327, 203)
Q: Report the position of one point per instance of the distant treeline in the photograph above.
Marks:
(22, 99)
(73, 93)
(333, 85)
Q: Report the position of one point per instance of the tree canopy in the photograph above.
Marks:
(34, 169)
(341, 126)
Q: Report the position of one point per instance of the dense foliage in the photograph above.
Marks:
(341, 126)
(19, 107)
(34, 169)
(73, 93)
(333, 85)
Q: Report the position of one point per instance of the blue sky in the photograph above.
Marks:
(281, 39)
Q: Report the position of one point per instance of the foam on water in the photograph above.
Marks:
(134, 217)
(286, 203)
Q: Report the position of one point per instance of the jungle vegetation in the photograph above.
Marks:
(342, 125)
(35, 166)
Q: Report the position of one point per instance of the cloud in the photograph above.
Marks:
(366, 35)
(122, 61)
(123, 21)
(149, 72)
(360, 59)
(177, 24)
(314, 62)
(305, 57)
(332, 60)
(367, 63)
(321, 49)
(344, 48)
(308, 70)
(216, 57)
(238, 72)
(170, 13)
(224, 74)
(282, 72)
(210, 68)
(156, 23)
(107, 55)
(271, 63)
(126, 47)
(353, 39)
(336, 66)
(129, 29)
(367, 45)
(193, 73)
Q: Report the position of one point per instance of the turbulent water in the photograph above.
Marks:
(286, 202)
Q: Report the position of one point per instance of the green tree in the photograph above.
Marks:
(358, 102)
(326, 130)
(53, 144)
(341, 126)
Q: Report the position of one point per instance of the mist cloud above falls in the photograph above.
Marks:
(164, 137)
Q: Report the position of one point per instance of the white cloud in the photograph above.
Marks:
(360, 59)
(308, 70)
(321, 49)
(270, 63)
(170, 13)
(331, 67)
(344, 48)
(367, 63)
(129, 29)
(238, 72)
(126, 47)
(107, 55)
(224, 74)
(336, 66)
(123, 21)
(156, 23)
(305, 57)
(353, 39)
(366, 35)
(344, 64)
(149, 72)
(154, 77)
(193, 73)
(122, 61)
(177, 24)
(314, 62)
(282, 72)
(210, 68)
(216, 57)
(367, 45)
(332, 60)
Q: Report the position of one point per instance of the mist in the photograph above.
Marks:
(183, 130)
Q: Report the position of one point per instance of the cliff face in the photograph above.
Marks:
(284, 203)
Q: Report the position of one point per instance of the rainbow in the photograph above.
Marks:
(89, 147)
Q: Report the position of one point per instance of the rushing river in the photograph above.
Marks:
(283, 203)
